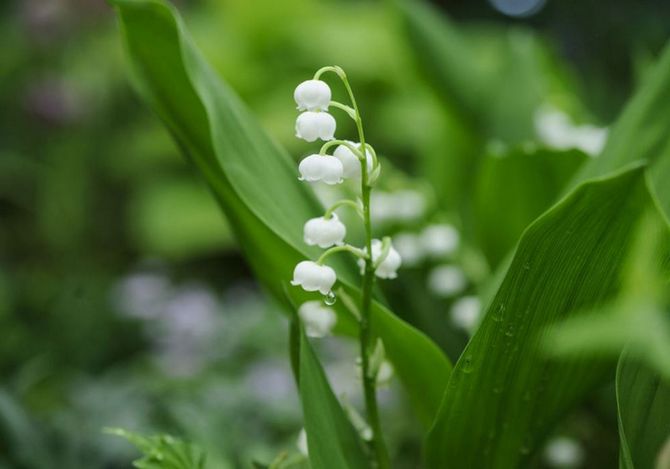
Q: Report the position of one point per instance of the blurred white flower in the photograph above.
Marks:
(402, 206)
(409, 205)
(324, 232)
(325, 168)
(301, 443)
(311, 126)
(446, 280)
(563, 452)
(409, 247)
(389, 266)
(439, 240)
(350, 162)
(141, 295)
(555, 129)
(312, 95)
(314, 277)
(385, 372)
(318, 319)
(466, 312)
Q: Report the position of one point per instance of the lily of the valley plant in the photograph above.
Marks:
(349, 160)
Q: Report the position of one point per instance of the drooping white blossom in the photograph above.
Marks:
(403, 206)
(324, 232)
(439, 240)
(318, 319)
(350, 162)
(325, 168)
(384, 373)
(563, 452)
(389, 266)
(311, 126)
(556, 130)
(466, 312)
(409, 247)
(314, 277)
(312, 95)
(446, 280)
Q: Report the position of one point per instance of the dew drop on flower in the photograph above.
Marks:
(330, 298)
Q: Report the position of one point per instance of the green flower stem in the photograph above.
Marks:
(346, 247)
(341, 203)
(365, 336)
(345, 108)
(332, 143)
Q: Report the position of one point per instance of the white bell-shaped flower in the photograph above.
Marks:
(466, 312)
(446, 280)
(324, 232)
(440, 240)
(389, 266)
(351, 163)
(318, 319)
(312, 95)
(325, 168)
(314, 277)
(310, 126)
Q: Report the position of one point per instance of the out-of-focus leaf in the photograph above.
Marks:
(254, 180)
(643, 401)
(331, 438)
(498, 79)
(514, 188)
(504, 394)
(176, 219)
(163, 451)
(641, 132)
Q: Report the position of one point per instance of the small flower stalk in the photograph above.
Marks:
(336, 162)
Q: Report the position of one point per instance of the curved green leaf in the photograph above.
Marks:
(641, 132)
(504, 394)
(513, 189)
(643, 401)
(254, 180)
(331, 438)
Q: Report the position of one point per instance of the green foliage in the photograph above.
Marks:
(253, 179)
(331, 438)
(514, 188)
(503, 395)
(643, 400)
(163, 451)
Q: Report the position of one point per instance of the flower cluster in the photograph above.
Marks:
(349, 160)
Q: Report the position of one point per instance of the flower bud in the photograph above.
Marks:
(314, 277)
(350, 162)
(389, 266)
(318, 319)
(466, 312)
(324, 232)
(312, 95)
(310, 126)
(324, 168)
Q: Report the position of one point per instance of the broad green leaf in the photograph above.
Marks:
(331, 438)
(643, 401)
(254, 180)
(641, 132)
(514, 188)
(163, 451)
(503, 394)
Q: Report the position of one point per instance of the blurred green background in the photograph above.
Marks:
(124, 300)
